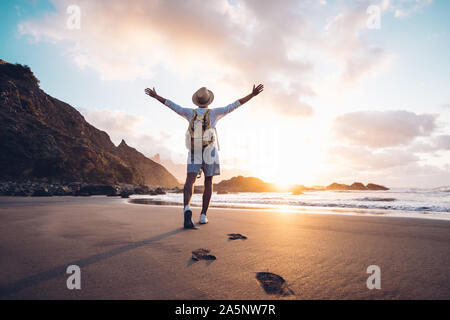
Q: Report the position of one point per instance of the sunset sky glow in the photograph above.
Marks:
(342, 102)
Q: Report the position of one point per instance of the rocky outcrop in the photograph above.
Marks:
(355, 186)
(151, 172)
(244, 184)
(44, 139)
(372, 186)
(40, 189)
(251, 184)
(337, 186)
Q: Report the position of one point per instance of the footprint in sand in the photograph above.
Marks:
(235, 236)
(273, 284)
(202, 254)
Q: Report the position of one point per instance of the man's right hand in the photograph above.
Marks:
(257, 89)
(151, 92)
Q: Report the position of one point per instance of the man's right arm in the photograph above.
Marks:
(184, 112)
(152, 93)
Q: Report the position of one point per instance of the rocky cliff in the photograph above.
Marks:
(43, 138)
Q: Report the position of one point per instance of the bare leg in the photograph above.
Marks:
(207, 193)
(188, 186)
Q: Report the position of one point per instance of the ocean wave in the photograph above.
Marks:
(377, 199)
(373, 206)
(442, 189)
(379, 207)
(418, 202)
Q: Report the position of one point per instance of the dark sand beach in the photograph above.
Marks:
(133, 251)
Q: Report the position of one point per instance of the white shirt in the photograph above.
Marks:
(215, 115)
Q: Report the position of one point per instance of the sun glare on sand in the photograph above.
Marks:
(284, 209)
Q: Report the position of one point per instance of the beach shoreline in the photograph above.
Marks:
(128, 251)
(301, 209)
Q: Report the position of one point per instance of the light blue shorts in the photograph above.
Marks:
(210, 168)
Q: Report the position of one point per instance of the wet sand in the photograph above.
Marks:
(134, 251)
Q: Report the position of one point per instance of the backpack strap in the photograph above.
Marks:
(191, 122)
(207, 119)
(217, 139)
(191, 130)
(207, 116)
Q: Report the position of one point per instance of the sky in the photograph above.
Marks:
(354, 90)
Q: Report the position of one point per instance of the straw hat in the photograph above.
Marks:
(203, 97)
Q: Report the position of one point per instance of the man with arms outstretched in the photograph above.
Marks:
(207, 159)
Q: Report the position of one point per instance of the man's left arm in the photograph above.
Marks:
(256, 90)
(220, 112)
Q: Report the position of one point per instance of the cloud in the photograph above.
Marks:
(443, 142)
(122, 125)
(417, 175)
(397, 148)
(234, 41)
(362, 158)
(379, 129)
(393, 167)
(343, 38)
(405, 8)
(115, 122)
(125, 41)
(433, 144)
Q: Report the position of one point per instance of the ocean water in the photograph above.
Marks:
(421, 203)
